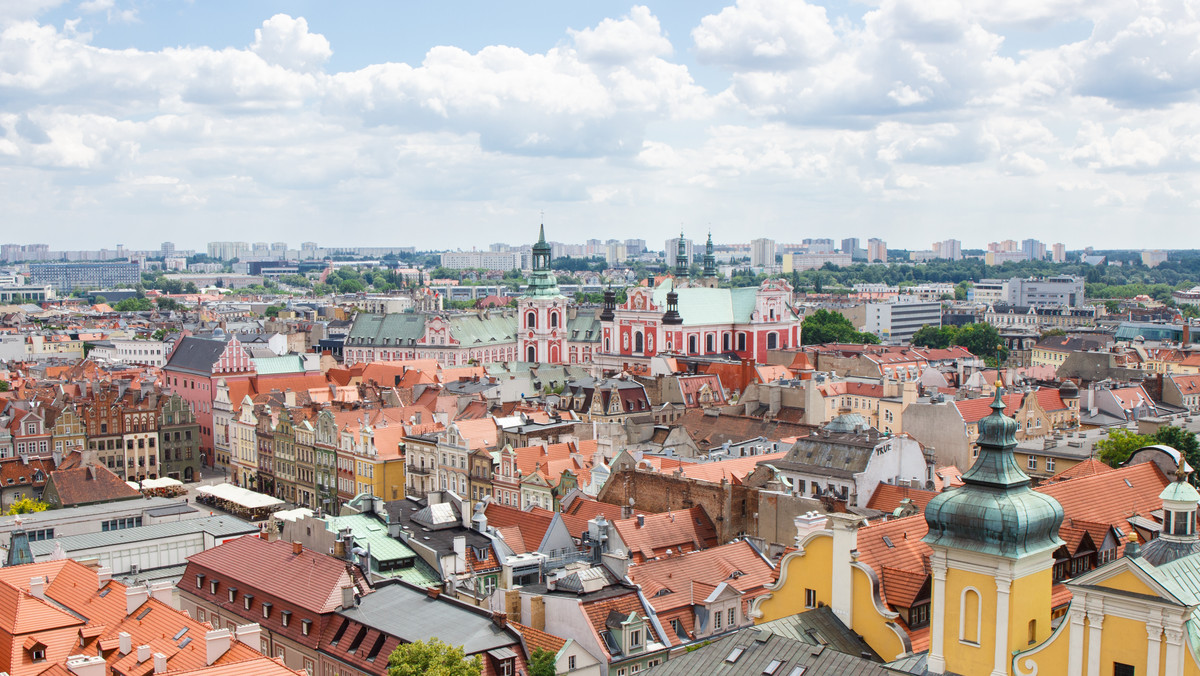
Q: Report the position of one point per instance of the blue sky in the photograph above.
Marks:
(455, 124)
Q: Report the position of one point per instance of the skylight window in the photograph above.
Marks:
(734, 655)
(771, 668)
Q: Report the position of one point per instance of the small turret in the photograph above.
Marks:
(672, 317)
(610, 305)
(681, 260)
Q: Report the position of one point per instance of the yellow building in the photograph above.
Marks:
(1137, 614)
(992, 542)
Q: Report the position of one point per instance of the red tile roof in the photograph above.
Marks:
(679, 531)
(533, 525)
(1127, 491)
(733, 471)
(1050, 399)
(688, 579)
(974, 410)
(88, 485)
(310, 580)
(1089, 467)
(535, 638)
(597, 613)
(887, 497)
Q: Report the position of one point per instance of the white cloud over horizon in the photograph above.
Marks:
(912, 121)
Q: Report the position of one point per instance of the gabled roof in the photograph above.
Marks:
(1127, 491)
(88, 485)
(1089, 467)
(679, 531)
(736, 564)
(196, 355)
(887, 497)
(310, 580)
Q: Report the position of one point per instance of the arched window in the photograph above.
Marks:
(692, 345)
(772, 340)
(970, 616)
(1032, 632)
(531, 320)
(710, 343)
(741, 342)
(639, 345)
(531, 354)
(725, 342)
(554, 320)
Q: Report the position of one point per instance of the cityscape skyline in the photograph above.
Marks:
(908, 122)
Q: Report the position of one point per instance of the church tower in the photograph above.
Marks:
(681, 261)
(543, 310)
(710, 265)
(993, 542)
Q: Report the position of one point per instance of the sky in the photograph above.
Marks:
(445, 125)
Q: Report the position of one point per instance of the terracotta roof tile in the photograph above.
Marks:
(684, 530)
(1089, 467)
(1127, 490)
(89, 484)
(887, 497)
(535, 638)
(310, 580)
(974, 410)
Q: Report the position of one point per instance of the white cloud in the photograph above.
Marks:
(614, 41)
(765, 34)
(286, 42)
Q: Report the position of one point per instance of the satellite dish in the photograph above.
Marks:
(630, 502)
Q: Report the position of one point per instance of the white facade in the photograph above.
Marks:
(895, 323)
(487, 260)
(129, 351)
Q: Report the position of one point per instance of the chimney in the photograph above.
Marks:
(164, 592)
(37, 586)
(512, 603)
(433, 592)
(500, 620)
(641, 520)
(160, 663)
(143, 653)
(339, 548)
(124, 643)
(348, 596)
(216, 643)
(537, 613)
(103, 575)
(297, 548)
(249, 634)
(86, 665)
(135, 597)
(845, 551)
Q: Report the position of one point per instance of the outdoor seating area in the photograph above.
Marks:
(242, 503)
(164, 487)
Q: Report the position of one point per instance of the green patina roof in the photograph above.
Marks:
(995, 511)
(1180, 491)
(370, 534)
(578, 328)
(405, 329)
(266, 366)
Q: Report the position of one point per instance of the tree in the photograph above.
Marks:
(169, 304)
(4, 386)
(27, 506)
(1112, 306)
(142, 304)
(433, 658)
(1181, 440)
(824, 326)
(350, 286)
(982, 340)
(274, 310)
(541, 663)
(1119, 444)
(937, 337)
(99, 300)
(1053, 332)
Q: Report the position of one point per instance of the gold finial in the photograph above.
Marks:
(1180, 472)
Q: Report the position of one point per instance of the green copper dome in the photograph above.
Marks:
(995, 511)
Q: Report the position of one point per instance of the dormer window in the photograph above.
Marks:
(212, 586)
(232, 594)
(200, 581)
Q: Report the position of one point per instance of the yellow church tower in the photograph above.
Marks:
(993, 541)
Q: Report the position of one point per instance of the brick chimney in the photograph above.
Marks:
(500, 620)
(297, 548)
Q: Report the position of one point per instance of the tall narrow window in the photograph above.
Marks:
(970, 617)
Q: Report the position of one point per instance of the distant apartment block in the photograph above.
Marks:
(65, 277)
(1062, 290)
(950, 249)
(876, 250)
(25, 293)
(762, 252)
(672, 248)
(486, 260)
(811, 261)
(1059, 253)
